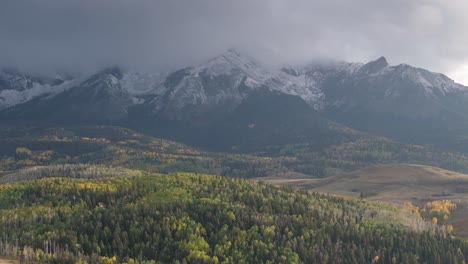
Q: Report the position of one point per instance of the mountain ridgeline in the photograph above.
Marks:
(233, 102)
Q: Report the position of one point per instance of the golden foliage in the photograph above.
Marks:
(449, 228)
(441, 206)
(109, 260)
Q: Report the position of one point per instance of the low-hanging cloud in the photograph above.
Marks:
(85, 35)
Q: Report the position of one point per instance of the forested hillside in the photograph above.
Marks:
(190, 218)
(106, 145)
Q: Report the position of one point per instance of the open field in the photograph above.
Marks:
(393, 183)
(396, 183)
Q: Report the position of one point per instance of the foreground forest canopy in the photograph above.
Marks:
(190, 218)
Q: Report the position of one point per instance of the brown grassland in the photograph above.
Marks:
(396, 183)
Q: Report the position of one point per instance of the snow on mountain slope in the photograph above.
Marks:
(401, 102)
(98, 98)
(430, 81)
(141, 83)
(227, 80)
(229, 61)
(303, 86)
(17, 88)
(336, 80)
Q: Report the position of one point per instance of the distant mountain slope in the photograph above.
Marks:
(209, 104)
(402, 102)
(99, 98)
(262, 119)
(17, 88)
(222, 84)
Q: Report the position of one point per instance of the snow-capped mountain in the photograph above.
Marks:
(402, 101)
(99, 97)
(379, 78)
(226, 81)
(229, 78)
(106, 95)
(396, 101)
(17, 88)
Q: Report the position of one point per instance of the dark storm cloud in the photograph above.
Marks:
(85, 34)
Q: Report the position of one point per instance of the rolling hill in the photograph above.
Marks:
(109, 145)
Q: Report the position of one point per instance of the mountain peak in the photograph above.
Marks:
(382, 60)
(231, 60)
(232, 53)
(114, 71)
(376, 65)
(237, 58)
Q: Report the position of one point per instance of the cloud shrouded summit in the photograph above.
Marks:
(85, 34)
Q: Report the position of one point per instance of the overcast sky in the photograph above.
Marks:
(153, 35)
